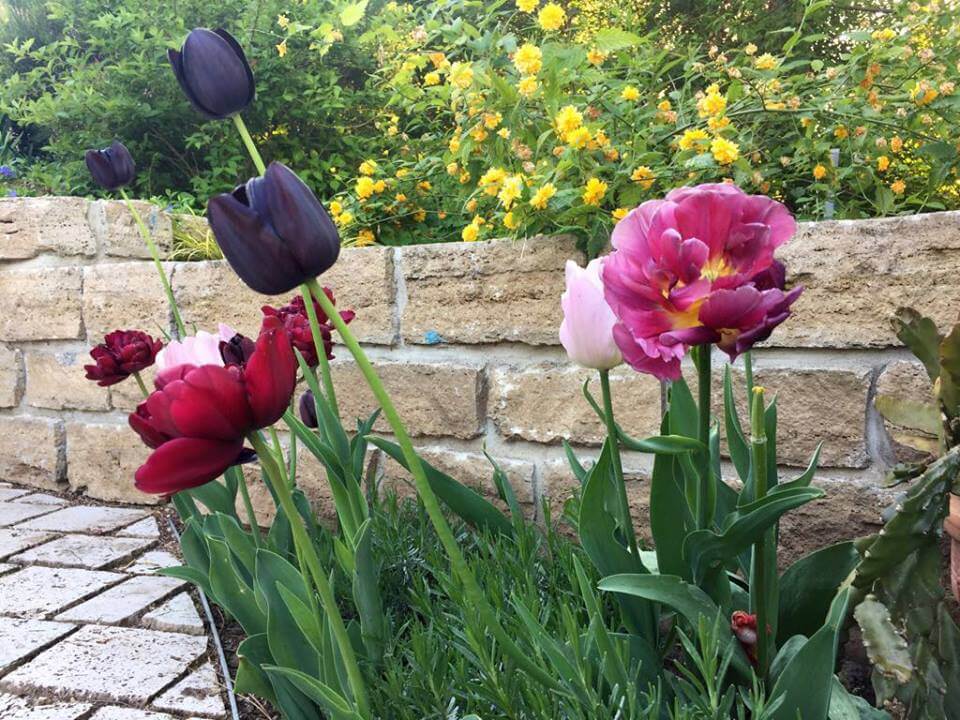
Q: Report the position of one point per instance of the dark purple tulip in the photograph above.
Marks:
(213, 73)
(308, 409)
(274, 232)
(237, 351)
(112, 167)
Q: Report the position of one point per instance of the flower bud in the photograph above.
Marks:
(308, 409)
(112, 167)
(587, 328)
(213, 73)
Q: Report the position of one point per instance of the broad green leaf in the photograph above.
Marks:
(216, 497)
(950, 372)
(808, 586)
(253, 654)
(353, 13)
(366, 596)
(670, 518)
(909, 413)
(324, 695)
(662, 444)
(844, 706)
(613, 39)
(921, 336)
(231, 591)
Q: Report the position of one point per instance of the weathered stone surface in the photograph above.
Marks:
(30, 450)
(544, 403)
(146, 528)
(126, 395)
(176, 615)
(122, 601)
(199, 693)
(118, 232)
(41, 303)
(89, 519)
(124, 295)
(34, 708)
(858, 272)
(13, 540)
(433, 399)
(906, 381)
(41, 499)
(13, 513)
(119, 713)
(36, 592)
(20, 638)
(485, 292)
(150, 562)
(12, 493)
(11, 376)
(57, 381)
(33, 225)
(109, 664)
(102, 459)
(84, 551)
(362, 281)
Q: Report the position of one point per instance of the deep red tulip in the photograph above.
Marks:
(744, 627)
(122, 353)
(197, 418)
(297, 324)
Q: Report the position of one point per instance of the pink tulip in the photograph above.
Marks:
(587, 328)
(697, 267)
(200, 349)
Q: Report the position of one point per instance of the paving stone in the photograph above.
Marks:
(20, 638)
(122, 601)
(109, 664)
(42, 499)
(39, 591)
(146, 528)
(11, 493)
(119, 713)
(91, 519)
(199, 692)
(176, 615)
(18, 708)
(83, 551)
(12, 513)
(150, 562)
(13, 540)
(6, 567)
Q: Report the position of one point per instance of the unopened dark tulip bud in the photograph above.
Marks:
(112, 167)
(213, 73)
(308, 409)
(237, 350)
(274, 232)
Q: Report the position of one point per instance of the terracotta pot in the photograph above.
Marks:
(952, 527)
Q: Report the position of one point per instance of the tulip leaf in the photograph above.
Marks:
(736, 444)
(670, 518)
(661, 444)
(216, 496)
(253, 654)
(366, 595)
(807, 586)
(325, 696)
(909, 414)
(683, 413)
(578, 470)
(505, 489)
(950, 372)
(230, 590)
(469, 505)
(921, 336)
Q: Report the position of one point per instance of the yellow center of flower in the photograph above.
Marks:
(717, 267)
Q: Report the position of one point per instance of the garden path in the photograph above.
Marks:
(88, 631)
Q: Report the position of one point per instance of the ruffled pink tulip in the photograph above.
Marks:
(697, 267)
(200, 349)
(587, 328)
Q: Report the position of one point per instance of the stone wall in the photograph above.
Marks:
(465, 337)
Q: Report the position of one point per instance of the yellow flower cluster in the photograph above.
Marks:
(541, 197)
(461, 75)
(712, 103)
(594, 191)
(528, 59)
(552, 17)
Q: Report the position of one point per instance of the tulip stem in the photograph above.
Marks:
(704, 511)
(308, 554)
(760, 588)
(321, 349)
(475, 598)
(248, 142)
(143, 386)
(614, 438)
(155, 254)
(748, 377)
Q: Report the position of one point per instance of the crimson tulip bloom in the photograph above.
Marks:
(197, 418)
(122, 353)
(297, 324)
(697, 267)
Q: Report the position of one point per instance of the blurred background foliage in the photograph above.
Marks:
(412, 119)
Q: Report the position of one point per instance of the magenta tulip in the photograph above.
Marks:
(586, 332)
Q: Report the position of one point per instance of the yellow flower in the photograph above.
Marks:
(806, 122)
(664, 106)
(454, 144)
(364, 188)
(431, 78)
(470, 233)
(490, 181)
(344, 218)
(578, 138)
(750, 49)
(400, 197)
(724, 151)
(504, 133)
(885, 34)
(438, 59)
(765, 62)
(552, 17)
(492, 120)
(594, 191)
(643, 176)
(718, 123)
(819, 171)
(368, 167)
(528, 59)
(403, 172)
(478, 134)
(420, 215)
(511, 189)
(424, 185)
(630, 93)
(620, 213)
(896, 144)
(898, 186)
(527, 6)
(694, 138)
(379, 186)
(453, 168)
(282, 48)
(568, 119)
(461, 75)
(527, 86)
(283, 21)
(712, 103)
(510, 222)
(464, 177)
(596, 57)
(365, 237)
(883, 162)
(841, 132)
(336, 208)
(471, 205)
(542, 196)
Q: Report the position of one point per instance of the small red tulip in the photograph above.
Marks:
(122, 353)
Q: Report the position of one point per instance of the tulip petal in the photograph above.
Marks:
(270, 375)
(210, 402)
(218, 79)
(635, 356)
(184, 463)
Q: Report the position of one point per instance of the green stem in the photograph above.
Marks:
(614, 438)
(308, 553)
(248, 506)
(703, 434)
(248, 142)
(143, 386)
(476, 601)
(759, 585)
(322, 360)
(748, 377)
(155, 254)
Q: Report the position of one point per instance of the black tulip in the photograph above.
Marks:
(274, 232)
(237, 351)
(213, 72)
(308, 409)
(112, 167)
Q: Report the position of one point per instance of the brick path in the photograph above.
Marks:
(87, 630)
